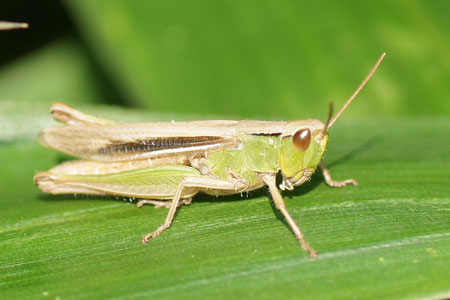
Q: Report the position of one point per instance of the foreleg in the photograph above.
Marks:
(333, 183)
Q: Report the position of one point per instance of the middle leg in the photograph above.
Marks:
(270, 180)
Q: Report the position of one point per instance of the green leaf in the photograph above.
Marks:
(389, 237)
(278, 59)
(60, 71)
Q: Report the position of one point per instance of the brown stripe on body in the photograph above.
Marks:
(159, 143)
(267, 134)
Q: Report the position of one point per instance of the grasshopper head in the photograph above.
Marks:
(302, 147)
(304, 142)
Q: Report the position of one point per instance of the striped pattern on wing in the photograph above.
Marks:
(132, 141)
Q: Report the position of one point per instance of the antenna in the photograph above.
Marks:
(327, 124)
(356, 92)
(4, 25)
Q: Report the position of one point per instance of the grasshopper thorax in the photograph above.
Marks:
(302, 147)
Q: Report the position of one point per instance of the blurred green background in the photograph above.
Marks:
(283, 59)
(273, 60)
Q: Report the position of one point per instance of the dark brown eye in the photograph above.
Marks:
(302, 139)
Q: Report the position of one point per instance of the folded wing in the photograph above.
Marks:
(132, 141)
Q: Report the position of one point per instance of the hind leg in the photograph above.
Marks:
(166, 204)
(199, 182)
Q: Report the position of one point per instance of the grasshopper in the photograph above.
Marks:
(166, 164)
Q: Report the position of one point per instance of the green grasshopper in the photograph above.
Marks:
(166, 164)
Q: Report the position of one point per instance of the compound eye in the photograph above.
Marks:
(302, 139)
